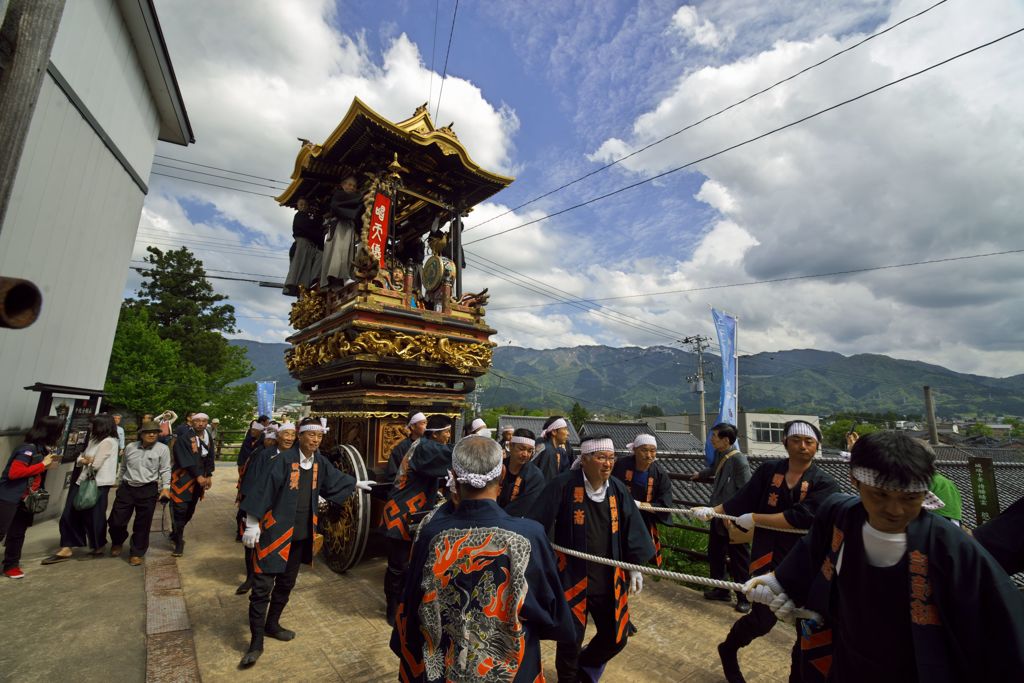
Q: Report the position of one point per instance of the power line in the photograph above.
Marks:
(437, 111)
(218, 270)
(174, 236)
(215, 175)
(205, 247)
(201, 182)
(209, 277)
(217, 168)
(753, 139)
(777, 279)
(709, 116)
(433, 51)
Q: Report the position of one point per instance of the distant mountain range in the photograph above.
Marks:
(618, 381)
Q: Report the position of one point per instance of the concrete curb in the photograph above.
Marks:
(170, 647)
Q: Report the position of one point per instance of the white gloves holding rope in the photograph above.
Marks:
(703, 514)
(636, 582)
(252, 532)
(767, 590)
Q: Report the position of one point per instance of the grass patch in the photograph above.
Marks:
(675, 561)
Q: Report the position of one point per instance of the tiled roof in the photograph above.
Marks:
(534, 424)
(961, 453)
(680, 442)
(621, 433)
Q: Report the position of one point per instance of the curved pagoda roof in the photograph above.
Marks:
(437, 170)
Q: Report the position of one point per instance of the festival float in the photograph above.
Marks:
(401, 335)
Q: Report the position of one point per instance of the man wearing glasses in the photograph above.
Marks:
(587, 510)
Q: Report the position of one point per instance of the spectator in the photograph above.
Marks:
(22, 475)
(88, 527)
(166, 420)
(214, 430)
(145, 473)
(120, 432)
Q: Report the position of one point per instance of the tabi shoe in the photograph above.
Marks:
(243, 587)
(717, 594)
(179, 549)
(14, 573)
(278, 633)
(134, 560)
(742, 605)
(115, 550)
(250, 657)
(730, 664)
(54, 559)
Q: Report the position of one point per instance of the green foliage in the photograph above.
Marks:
(578, 415)
(672, 539)
(979, 429)
(650, 411)
(769, 411)
(835, 433)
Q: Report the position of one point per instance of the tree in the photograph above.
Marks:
(578, 415)
(979, 429)
(835, 434)
(651, 411)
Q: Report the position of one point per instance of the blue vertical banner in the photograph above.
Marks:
(265, 392)
(726, 326)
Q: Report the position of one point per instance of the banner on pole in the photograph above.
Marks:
(265, 392)
(726, 327)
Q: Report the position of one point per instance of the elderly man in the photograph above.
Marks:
(419, 480)
(483, 590)
(520, 482)
(586, 509)
(554, 459)
(729, 472)
(145, 474)
(275, 440)
(191, 476)
(786, 494)
(648, 482)
(417, 425)
(281, 517)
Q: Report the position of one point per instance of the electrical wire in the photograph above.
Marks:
(202, 182)
(710, 116)
(215, 175)
(748, 141)
(225, 170)
(433, 50)
(437, 110)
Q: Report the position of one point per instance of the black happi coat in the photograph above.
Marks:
(250, 446)
(520, 491)
(254, 469)
(657, 491)
(397, 455)
(561, 509)
(966, 616)
(416, 485)
(274, 496)
(767, 493)
(1003, 538)
(191, 458)
(553, 460)
(309, 227)
(481, 594)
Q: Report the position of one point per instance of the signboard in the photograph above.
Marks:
(377, 237)
(74, 412)
(265, 392)
(726, 326)
(983, 488)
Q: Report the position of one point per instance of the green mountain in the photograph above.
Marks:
(617, 381)
(268, 364)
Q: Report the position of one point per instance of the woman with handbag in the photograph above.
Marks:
(84, 520)
(21, 492)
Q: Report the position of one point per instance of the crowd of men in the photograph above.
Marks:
(497, 544)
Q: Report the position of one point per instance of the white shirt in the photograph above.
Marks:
(595, 494)
(305, 462)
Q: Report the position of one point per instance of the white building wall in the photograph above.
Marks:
(751, 445)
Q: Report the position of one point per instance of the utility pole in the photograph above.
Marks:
(697, 344)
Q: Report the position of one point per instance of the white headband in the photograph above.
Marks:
(866, 475)
(477, 424)
(594, 445)
(642, 440)
(322, 427)
(418, 417)
(557, 424)
(477, 481)
(270, 434)
(801, 429)
(439, 429)
(286, 426)
(200, 416)
(525, 440)
(256, 425)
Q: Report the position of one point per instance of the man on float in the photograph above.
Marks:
(191, 476)
(786, 494)
(554, 459)
(648, 482)
(520, 482)
(418, 481)
(588, 510)
(906, 595)
(252, 443)
(281, 517)
(479, 612)
(417, 425)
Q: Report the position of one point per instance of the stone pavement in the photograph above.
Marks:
(93, 612)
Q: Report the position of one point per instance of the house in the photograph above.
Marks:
(759, 433)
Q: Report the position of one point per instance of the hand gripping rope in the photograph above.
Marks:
(798, 613)
(646, 507)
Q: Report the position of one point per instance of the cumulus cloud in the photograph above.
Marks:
(702, 32)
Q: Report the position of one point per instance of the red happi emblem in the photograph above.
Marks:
(803, 491)
(578, 517)
(577, 494)
(837, 539)
(773, 499)
(777, 480)
(629, 476)
(613, 508)
(377, 236)
(293, 481)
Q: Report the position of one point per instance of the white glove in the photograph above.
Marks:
(252, 532)
(703, 514)
(746, 521)
(321, 501)
(636, 582)
(365, 485)
(763, 589)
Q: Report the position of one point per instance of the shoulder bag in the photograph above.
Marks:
(736, 534)
(88, 493)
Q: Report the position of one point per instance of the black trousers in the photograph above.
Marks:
(722, 554)
(181, 515)
(14, 520)
(137, 500)
(394, 577)
(570, 657)
(757, 623)
(80, 528)
(273, 591)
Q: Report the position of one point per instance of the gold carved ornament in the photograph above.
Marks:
(310, 307)
(462, 356)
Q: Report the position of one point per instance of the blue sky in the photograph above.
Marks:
(548, 91)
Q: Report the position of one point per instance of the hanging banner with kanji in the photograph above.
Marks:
(378, 234)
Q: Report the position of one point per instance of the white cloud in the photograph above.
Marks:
(701, 32)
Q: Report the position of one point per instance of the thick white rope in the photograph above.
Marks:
(689, 512)
(798, 613)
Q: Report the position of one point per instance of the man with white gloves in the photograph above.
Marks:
(587, 509)
(281, 518)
